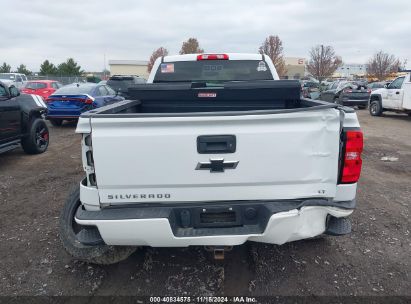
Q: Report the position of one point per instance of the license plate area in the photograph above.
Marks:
(216, 217)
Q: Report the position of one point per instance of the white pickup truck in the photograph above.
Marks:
(395, 97)
(215, 151)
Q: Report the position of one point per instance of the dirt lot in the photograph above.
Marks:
(374, 260)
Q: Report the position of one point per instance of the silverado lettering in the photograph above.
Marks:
(138, 196)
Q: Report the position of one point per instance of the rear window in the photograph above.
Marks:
(376, 85)
(119, 78)
(334, 85)
(7, 76)
(120, 83)
(35, 85)
(124, 82)
(212, 71)
(74, 90)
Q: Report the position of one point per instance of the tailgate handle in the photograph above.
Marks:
(216, 144)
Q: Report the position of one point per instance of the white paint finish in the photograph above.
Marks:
(83, 125)
(406, 101)
(231, 56)
(350, 120)
(38, 100)
(281, 156)
(89, 198)
(345, 192)
(281, 228)
(396, 99)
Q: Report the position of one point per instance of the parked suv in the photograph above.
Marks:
(21, 121)
(16, 79)
(347, 93)
(121, 83)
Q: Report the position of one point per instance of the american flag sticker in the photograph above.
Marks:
(167, 68)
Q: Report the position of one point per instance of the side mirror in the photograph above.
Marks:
(118, 92)
(386, 86)
(14, 92)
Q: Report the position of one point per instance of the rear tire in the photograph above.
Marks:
(375, 108)
(96, 254)
(56, 122)
(37, 139)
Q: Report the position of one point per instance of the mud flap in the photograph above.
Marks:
(338, 226)
(89, 236)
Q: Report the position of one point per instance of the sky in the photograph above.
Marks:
(89, 31)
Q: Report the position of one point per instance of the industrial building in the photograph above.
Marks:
(351, 71)
(128, 67)
(295, 67)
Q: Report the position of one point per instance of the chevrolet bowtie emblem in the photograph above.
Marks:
(217, 165)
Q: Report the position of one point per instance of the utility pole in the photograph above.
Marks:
(104, 66)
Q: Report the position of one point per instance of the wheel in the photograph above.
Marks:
(96, 254)
(375, 108)
(56, 122)
(37, 139)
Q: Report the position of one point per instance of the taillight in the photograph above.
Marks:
(48, 100)
(368, 91)
(88, 101)
(352, 162)
(212, 57)
(347, 91)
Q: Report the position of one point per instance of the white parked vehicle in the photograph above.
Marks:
(16, 79)
(395, 97)
(216, 151)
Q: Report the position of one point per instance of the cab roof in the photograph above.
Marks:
(231, 56)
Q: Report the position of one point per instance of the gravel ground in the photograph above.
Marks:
(373, 260)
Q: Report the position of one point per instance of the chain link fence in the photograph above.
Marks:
(62, 79)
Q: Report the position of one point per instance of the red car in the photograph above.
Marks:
(44, 88)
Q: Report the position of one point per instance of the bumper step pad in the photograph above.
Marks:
(89, 236)
(338, 226)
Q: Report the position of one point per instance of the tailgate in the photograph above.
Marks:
(358, 94)
(277, 156)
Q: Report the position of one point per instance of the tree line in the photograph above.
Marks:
(322, 62)
(68, 68)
